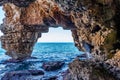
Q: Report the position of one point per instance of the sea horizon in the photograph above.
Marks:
(54, 42)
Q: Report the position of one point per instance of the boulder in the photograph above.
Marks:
(12, 61)
(21, 75)
(51, 78)
(51, 66)
(16, 75)
(66, 75)
(36, 72)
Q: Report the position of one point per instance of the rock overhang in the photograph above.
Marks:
(94, 24)
(19, 3)
(91, 23)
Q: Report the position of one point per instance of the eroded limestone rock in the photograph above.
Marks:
(22, 75)
(52, 66)
(115, 61)
(24, 25)
(89, 70)
(94, 24)
(20, 3)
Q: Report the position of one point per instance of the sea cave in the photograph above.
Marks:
(94, 25)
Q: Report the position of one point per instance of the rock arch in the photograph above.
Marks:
(24, 25)
(93, 23)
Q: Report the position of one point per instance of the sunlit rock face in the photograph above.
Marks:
(97, 29)
(16, 40)
(24, 25)
(94, 24)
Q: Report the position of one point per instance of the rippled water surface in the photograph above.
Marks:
(44, 52)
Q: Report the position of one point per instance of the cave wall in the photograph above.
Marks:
(97, 29)
(17, 40)
(23, 25)
(94, 24)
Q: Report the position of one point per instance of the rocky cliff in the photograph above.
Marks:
(94, 25)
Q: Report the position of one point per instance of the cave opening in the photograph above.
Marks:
(56, 35)
(97, 23)
(56, 44)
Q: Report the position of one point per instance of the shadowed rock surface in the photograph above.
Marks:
(22, 75)
(90, 70)
(52, 66)
(94, 24)
(51, 78)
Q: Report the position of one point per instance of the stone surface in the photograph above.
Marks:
(51, 78)
(20, 3)
(94, 25)
(21, 75)
(89, 70)
(66, 75)
(80, 70)
(51, 66)
(24, 25)
(36, 72)
(115, 60)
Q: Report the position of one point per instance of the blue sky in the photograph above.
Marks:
(54, 34)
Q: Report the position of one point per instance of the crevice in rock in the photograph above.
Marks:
(96, 29)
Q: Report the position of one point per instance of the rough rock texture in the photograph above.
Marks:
(52, 66)
(24, 25)
(22, 75)
(20, 3)
(51, 78)
(89, 70)
(115, 61)
(94, 24)
(80, 70)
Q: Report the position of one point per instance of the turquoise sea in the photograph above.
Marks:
(43, 52)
